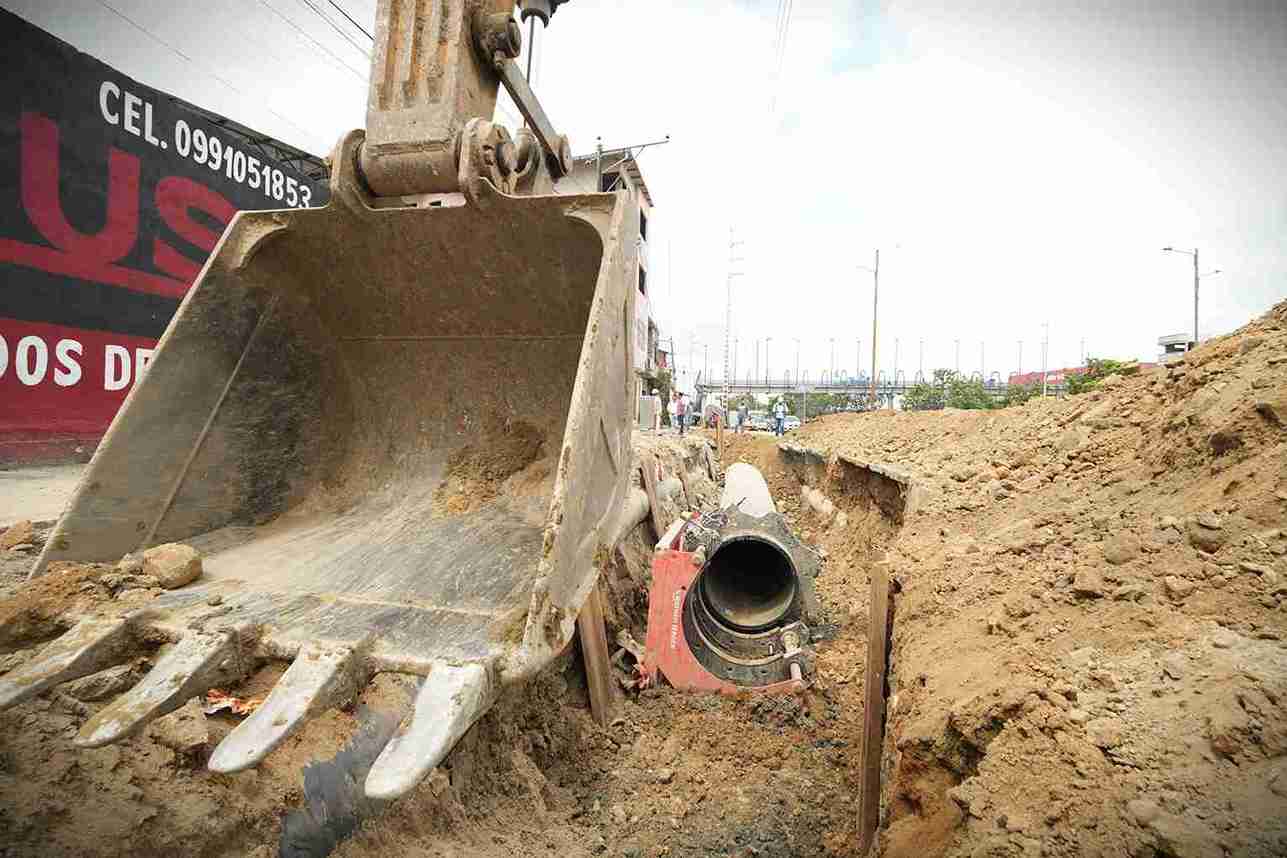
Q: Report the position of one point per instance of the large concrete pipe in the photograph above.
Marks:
(745, 617)
(745, 488)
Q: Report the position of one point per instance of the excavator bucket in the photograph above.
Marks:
(397, 436)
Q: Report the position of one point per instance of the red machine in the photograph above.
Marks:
(728, 615)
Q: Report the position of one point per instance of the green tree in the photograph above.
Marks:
(968, 394)
(923, 396)
(1098, 369)
(1017, 394)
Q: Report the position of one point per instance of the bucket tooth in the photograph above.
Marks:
(90, 646)
(316, 680)
(449, 702)
(194, 665)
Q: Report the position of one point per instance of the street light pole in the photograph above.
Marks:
(1045, 354)
(767, 372)
(875, 305)
(1197, 280)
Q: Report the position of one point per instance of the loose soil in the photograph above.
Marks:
(1088, 659)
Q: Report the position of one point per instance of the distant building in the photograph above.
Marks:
(1173, 347)
(1053, 376)
(621, 173)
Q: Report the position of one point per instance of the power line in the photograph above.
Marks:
(786, 7)
(343, 35)
(320, 46)
(214, 74)
(340, 9)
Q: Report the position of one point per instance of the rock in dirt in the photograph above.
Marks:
(1273, 408)
(1143, 811)
(1121, 548)
(172, 565)
(183, 730)
(1223, 638)
(1206, 533)
(1177, 588)
(1224, 441)
(1106, 732)
(104, 684)
(130, 564)
(1184, 837)
(1088, 584)
(18, 533)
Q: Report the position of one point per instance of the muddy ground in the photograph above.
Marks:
(1088, 659)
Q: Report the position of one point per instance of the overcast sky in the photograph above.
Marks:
(1017, 163)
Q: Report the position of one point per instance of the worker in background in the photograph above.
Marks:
(681, 411)
(779, 416)
(743, 415)
(672, 408)
(656, 411)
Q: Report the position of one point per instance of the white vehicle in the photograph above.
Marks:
(791, 422)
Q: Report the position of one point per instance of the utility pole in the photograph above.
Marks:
(598, 165)
(875, 305)
(797, 361)
(734, 359)
(895, 360)
(733, 244)
(1083, 352)
(757, 359)
(1045, 354)
(767, 371)
(1197, 279)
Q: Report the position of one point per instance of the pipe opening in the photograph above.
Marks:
(749, 584)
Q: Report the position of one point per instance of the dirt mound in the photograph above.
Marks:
(1088, 659)
(1089, 652)
(477, 474)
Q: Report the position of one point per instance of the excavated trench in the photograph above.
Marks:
(674, 774)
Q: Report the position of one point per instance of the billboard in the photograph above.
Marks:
(112, 195)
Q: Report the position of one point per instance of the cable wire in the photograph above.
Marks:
(343, 35)
(214, 74)
(340, 9)
(297, 28)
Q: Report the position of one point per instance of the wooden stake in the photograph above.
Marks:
(594, 654)
(873, 734)
(648, 467)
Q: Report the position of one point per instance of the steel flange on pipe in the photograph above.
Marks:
(746, 618)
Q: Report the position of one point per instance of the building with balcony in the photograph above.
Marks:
(621, 172)
(1173, 347)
